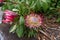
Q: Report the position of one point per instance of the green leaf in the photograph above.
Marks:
(13, 28)
(4, 7)
(7, 0)
(58, 20)
(20, 31)
(31, 33)
(21, 21)
(37, 6)
(44, 4)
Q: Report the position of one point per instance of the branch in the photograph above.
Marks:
(48, 36)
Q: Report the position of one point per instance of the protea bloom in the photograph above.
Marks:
(9, 16)
(33, 20)
(1, 1)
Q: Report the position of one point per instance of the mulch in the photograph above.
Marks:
(50, 32)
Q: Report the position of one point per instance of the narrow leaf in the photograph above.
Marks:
(13, 28)
(20, 31)
(21, 21)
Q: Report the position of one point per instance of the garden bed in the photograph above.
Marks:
(30, 20)
(52, 30)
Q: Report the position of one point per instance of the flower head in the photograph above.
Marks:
(9, 16)
(33, 20)
(1, 1)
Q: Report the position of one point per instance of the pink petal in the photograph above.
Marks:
(1, 0)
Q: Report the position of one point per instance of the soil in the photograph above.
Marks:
(4, 31)
(51, 31)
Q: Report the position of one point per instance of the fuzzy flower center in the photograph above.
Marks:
(33, 20)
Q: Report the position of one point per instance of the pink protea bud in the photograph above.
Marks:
(7, 21)
(1, 1)
(8, 12)
(33, 20)
(9, 16)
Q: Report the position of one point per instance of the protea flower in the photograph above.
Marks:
(1, 1)
(9, 16)
(33, 20)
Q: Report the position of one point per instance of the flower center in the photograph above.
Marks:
(33, 19)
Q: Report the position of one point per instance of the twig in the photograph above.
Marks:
(48, 36)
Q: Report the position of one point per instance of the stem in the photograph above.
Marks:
(48, 36)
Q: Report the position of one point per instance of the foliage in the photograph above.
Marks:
(50, 8)
(54, 10)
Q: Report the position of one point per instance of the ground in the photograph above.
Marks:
(51, 31)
